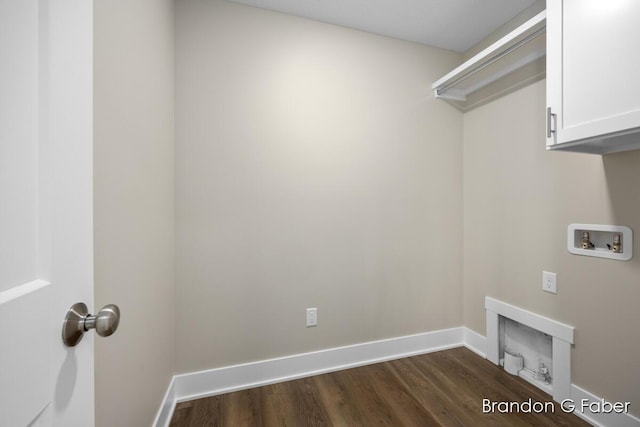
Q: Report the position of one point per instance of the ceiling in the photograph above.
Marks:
(450, 24)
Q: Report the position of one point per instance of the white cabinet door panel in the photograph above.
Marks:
(599, 62)
(593, 90)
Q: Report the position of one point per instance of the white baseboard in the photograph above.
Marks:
(475, 342)
(264, 372)
(163, 417)
(600, 420)
(248, 375)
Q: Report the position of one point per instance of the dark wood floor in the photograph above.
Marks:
(446, 388)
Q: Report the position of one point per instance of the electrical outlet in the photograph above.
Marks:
(312, 317)
(550, 282)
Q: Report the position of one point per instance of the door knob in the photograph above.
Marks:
(78, 321)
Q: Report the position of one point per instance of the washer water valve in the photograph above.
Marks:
(617, 244)
(586, 242)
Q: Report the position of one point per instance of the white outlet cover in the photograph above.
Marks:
(312, 317)
(550, 282)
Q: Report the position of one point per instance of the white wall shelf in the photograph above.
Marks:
(601, 236)
(518, 49)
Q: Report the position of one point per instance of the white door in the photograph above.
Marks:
(46, 248)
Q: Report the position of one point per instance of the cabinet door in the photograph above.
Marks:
(593, 63)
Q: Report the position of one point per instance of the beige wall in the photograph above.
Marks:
(518, 201)
(313, 169)
(134, 222)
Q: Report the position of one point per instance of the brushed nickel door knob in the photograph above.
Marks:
(78, 321)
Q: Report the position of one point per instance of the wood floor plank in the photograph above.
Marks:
(277, 406)
(358, 392)
(242, 408)
(483, 380)
(445, 388)
(182, 414)
(450, 377)
(472, 390)
(338, 400)
(294, 403)
(398, 397)
(445, 408)
(207, 412)
(309, 408)
(370, 397)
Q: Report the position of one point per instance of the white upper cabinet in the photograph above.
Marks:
(593, 75)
